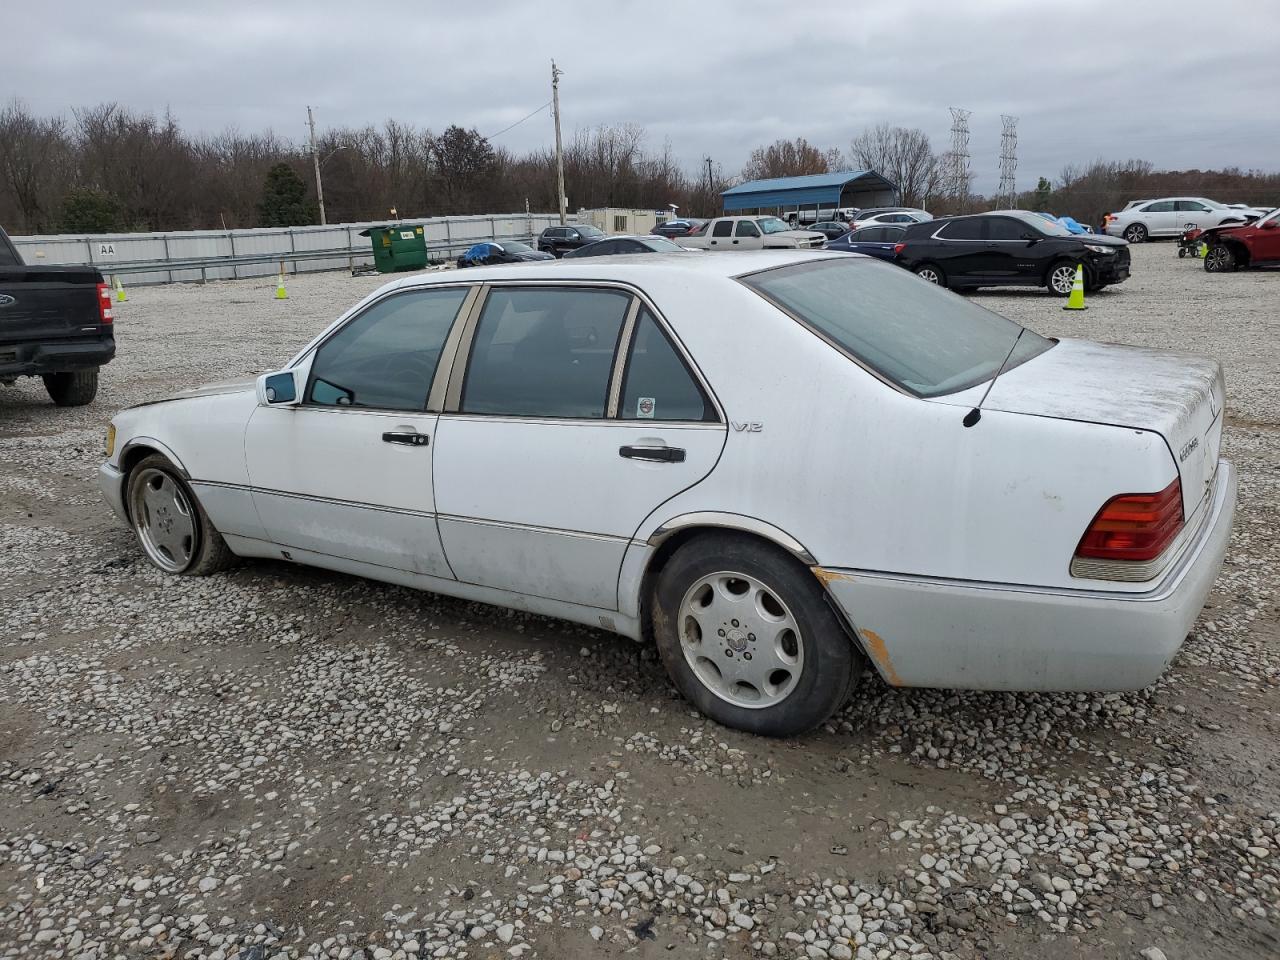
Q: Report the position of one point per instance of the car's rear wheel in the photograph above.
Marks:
(1182, 252)
(931, 273)
(1062, 277)
(1219, 259)
(73, 389)
(1135, 232)
(173, 529)
(748, 638)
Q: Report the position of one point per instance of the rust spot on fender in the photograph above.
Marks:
(875, 646)
(828, 577)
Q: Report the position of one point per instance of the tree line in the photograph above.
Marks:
(107, 168)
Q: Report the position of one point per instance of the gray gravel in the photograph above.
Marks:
(279, 762)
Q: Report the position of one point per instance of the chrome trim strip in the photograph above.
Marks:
(534, 528)
(444, 365)
(620, 359)
(732, 521)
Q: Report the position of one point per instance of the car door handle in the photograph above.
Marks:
(735, 241)
(408, 439)
(655, 454)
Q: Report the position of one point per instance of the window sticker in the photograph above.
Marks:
(644, 407)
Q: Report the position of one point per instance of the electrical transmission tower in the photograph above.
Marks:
(960, 157)
(1008, 191)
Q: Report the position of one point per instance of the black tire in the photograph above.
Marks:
(1182, 252)
(1052, 276)
(1219, 259)
(924, 270)
(73, 389)
(1135, 232)
(209, 553)
(1094, 287)
(829, 665)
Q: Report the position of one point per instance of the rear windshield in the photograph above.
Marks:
(8, 254)
(926, 340)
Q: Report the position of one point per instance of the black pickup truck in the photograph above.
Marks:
(56, 324)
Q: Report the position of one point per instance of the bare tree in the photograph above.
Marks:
(788, 158)
(903, 156)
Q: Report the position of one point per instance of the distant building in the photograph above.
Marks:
(617, 220)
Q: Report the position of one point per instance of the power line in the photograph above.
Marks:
(518, 122)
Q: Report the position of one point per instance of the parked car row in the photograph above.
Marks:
(1168, 217)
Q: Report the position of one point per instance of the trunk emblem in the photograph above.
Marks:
(6, 300)
(1188, 449)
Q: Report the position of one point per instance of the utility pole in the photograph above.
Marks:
(555, 110)
(315, 159)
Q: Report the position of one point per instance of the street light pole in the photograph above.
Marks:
(315, 159)
(555, 110)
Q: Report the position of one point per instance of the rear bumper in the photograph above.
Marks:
(55, 356)
(945, 633)
(111, 483)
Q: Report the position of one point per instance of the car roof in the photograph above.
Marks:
(626, 268)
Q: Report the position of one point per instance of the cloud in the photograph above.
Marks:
(1098, 79)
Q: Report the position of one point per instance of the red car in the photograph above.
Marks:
(1254, 244)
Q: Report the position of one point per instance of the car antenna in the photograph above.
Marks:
(974, 415)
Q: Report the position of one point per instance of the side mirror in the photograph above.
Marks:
(1269, 225)
(281, 389)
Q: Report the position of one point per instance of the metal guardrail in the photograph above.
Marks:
(204, 264)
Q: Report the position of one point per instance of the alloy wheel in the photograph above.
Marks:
(741, 640)
(929, 275)
(164, 519)
(1062, 279)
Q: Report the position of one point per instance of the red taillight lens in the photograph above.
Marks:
(897, 248)
(104, 305)
(1134, 526)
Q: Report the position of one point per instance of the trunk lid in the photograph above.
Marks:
(1179, 396)
(43, 303)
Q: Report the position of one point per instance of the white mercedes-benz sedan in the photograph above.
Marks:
(779, 466)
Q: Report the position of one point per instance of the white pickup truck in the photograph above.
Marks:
(751, 233)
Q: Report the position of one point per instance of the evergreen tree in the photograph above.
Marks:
(85, 210)
(284, 199)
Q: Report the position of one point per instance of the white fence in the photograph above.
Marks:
(446, 238)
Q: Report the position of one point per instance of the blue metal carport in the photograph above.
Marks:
(848, 188)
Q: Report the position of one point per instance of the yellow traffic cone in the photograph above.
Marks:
(120, 294)
(1076, 300)
(280, 291)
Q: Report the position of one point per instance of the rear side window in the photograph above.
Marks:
(544, 352)
(1160, 206)
(723, 228)
(1003, 228)
(869, 235)
(657, 384)
(385, 358)
(913, 334)
(973, 228)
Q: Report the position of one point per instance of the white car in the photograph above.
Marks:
(779, 465)
(1168, 217)
(896, 215)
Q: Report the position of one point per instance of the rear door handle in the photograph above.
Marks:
(408, 438)
(655, 454)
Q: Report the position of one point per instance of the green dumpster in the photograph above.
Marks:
(398, 247)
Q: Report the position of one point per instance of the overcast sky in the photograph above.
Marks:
(1182, 83)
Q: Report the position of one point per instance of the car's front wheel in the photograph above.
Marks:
(748, 638)
(1061, 278)
(73, 389)
(172, 527)
(1219, 259)
(1135, 232)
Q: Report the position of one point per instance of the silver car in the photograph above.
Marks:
(1168, 216)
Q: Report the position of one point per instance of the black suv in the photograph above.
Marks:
(559, 240)
(1010, 248)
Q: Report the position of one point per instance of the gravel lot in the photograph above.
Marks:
(277, 762)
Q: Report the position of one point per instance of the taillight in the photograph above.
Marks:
(897, 248)
(1134, 526)
(104, 304)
